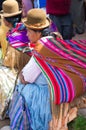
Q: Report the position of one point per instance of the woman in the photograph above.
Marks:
(3, 41)
(53, 62)
(14, 60)
(37, 85)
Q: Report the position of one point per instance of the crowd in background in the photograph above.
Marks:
(39, 24)
(69, 18)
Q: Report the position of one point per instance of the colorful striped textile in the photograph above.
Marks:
(61, 87)
(63, 63)
(19, 115)
(17, 37)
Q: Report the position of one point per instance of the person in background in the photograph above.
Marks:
(59, 13)
(13, 60)
(78, 15)
(40, 4)
(3, 42)
(26, 5)
(3, 31)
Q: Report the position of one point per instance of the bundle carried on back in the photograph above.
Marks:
(63, 63)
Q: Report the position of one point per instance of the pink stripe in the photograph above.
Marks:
(50, 46)
(83, 42)
(70, 86)
(18, 44)
(79, 44)
(52, 79)
(71, 48)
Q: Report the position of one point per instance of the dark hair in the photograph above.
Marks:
(44, 32)
(1, 1)
(14, 19)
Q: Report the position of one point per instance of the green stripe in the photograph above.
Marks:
(48, 79)
(70, 52)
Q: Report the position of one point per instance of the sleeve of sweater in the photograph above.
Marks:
(31, 71)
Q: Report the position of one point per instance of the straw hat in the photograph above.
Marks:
(36, 19)
(10, 8)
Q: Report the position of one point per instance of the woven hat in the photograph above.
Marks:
(36, 19)
(10, 8)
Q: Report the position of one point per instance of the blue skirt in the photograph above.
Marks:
(37, 98)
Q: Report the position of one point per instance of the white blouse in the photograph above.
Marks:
(31, 71)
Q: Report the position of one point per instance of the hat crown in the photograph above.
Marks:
(36, 16)
(10, 7)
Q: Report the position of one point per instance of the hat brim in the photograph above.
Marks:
(11, 14)
(39, 27)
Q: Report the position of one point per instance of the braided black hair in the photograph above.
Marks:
(14, 19)
(44, 31)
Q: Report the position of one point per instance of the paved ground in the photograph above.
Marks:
(80, 36)
(82, 112)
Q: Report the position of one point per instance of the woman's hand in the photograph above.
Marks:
(57, 35)
(21, 78)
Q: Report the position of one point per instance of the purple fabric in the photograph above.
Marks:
(18, 37)
(27, 5)
(18, 34)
